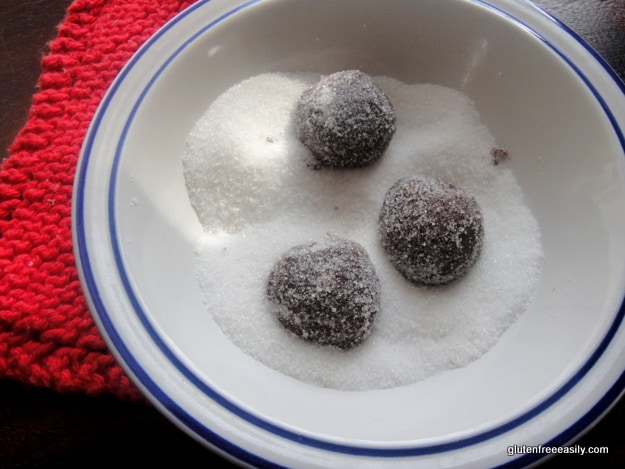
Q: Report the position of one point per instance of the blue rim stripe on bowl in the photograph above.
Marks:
(206, 433)
(604, 404)
(139, 373)
(615, 77)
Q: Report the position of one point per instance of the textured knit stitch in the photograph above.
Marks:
(47, 335)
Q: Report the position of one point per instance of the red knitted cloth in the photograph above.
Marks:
(47, 335)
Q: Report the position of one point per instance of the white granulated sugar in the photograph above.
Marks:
(249, 182)
(240, 157)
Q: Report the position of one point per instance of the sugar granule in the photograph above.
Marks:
(248, 181)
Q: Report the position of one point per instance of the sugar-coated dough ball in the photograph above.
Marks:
(326, 292)
(345, 120)
(432, 231)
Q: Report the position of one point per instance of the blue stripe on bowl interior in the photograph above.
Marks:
(574, 430)
(91, 286)
(615, 77)
(199, 428)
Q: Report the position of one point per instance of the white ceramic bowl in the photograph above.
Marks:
(545, 96)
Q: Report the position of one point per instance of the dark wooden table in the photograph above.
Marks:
(42, 429)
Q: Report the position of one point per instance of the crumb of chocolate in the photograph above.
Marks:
(345, 120)
(498, 155)
(431, 230)
(327, 292)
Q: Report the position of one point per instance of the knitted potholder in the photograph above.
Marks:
(47, 335)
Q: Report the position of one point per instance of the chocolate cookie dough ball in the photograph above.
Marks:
(326, 292)
(432, 231)
(345, 120)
